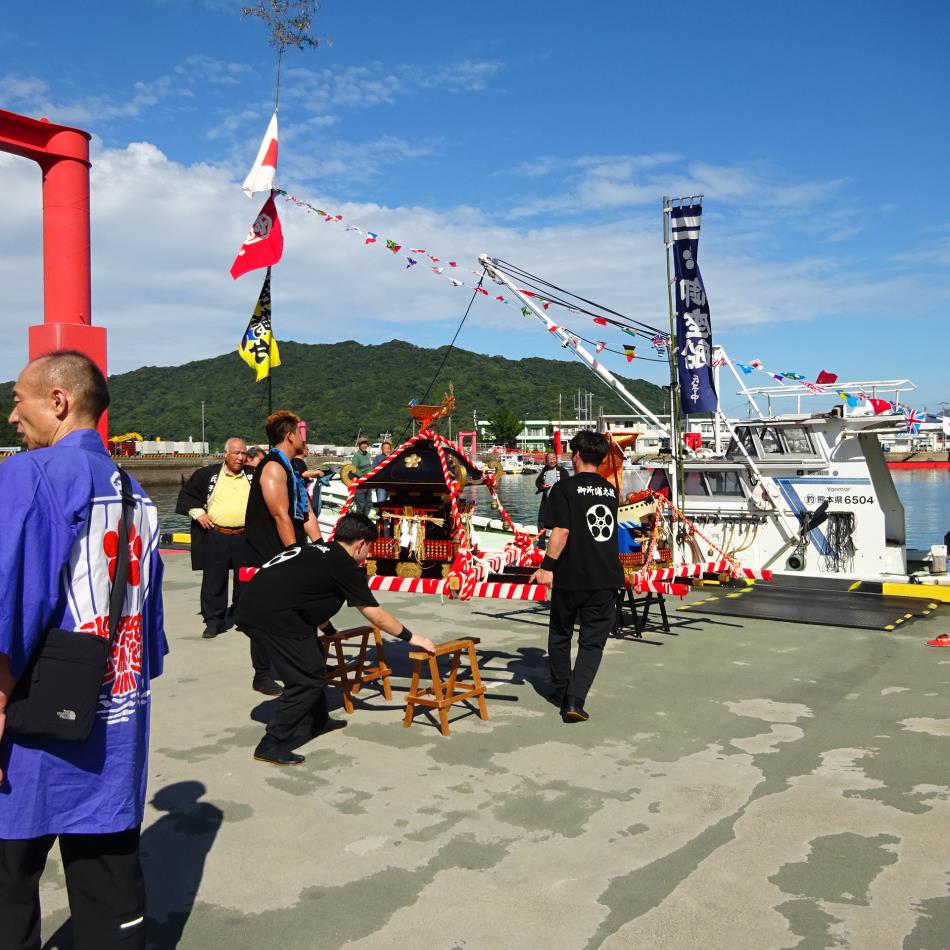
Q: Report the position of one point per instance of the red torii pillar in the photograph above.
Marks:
(63, 156)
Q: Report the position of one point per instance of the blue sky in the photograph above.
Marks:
(543, 133)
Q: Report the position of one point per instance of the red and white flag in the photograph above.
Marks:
(264, 170)
(600, 347)
(264, 243)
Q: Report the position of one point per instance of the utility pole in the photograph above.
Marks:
(204, 448)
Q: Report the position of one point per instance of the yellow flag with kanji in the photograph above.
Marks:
(258, 348)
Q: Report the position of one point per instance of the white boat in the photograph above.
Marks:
(796, 493)
(511, 464)
(808, 494)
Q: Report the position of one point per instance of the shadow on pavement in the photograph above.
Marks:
(173, 850)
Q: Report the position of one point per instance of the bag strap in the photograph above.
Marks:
(117, 597)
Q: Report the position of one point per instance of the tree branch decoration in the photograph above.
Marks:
(289, 22)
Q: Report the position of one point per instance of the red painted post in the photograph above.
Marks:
(63, 156)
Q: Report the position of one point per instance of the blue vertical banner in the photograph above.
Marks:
(693, 327)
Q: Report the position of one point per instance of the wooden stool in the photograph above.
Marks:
(443, 693)
(353, 672)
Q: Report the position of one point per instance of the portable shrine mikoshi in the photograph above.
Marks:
(426, 544)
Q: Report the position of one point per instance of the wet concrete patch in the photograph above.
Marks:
(326, 918)
(932, 927)
(815, 926)
(556, 807)
(839, 868)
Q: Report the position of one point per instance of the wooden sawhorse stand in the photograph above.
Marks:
(443, 693)
(635, 604)
(352, 672)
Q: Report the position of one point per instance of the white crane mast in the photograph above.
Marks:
(572, 343)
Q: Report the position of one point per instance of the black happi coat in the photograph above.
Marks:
(195, 493)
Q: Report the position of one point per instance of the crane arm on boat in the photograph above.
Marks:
(494, 271)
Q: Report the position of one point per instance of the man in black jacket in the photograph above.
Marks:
(215, 498)
(548, 477)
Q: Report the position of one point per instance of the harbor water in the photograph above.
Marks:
(925, 494)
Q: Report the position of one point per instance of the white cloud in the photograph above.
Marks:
(374, 84)
(599, 183)
(35, 96)
(165, 234)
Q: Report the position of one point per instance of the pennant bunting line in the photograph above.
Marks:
(657, 340)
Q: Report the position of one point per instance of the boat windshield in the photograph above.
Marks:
(724, 483)
(797, 440)
(715, 483)
(771, 443)
(744, 436)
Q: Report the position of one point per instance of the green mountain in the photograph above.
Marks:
(342, 388)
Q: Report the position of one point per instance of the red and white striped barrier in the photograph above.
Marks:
(644, 586)
(426, 585)
(408, 585)
(500, 591)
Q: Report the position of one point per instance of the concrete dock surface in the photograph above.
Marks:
(740, 784)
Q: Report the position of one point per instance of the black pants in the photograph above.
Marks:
(301, 709)
(103, 880)
(221, 555)
(596, 610)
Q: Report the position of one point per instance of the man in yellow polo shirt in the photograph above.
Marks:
(215, 498)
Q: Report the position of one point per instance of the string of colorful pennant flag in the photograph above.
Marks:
(442, 266)
(824, 383)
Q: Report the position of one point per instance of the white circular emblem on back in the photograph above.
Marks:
(284, 555)
(600, 521)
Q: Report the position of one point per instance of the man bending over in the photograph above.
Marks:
(294, 593)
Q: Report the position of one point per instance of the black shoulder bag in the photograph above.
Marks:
(57, 695)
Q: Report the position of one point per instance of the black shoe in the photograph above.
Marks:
(266, 685)
(273, 757)
(211, 630)
(573, 710)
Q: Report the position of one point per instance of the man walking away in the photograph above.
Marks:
(279, 515)
(215, 498)
(59, 522)
(300, 589)
(547, 478)
(583, 568)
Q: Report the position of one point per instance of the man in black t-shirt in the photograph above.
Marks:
(294, 593)
(583, 569)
